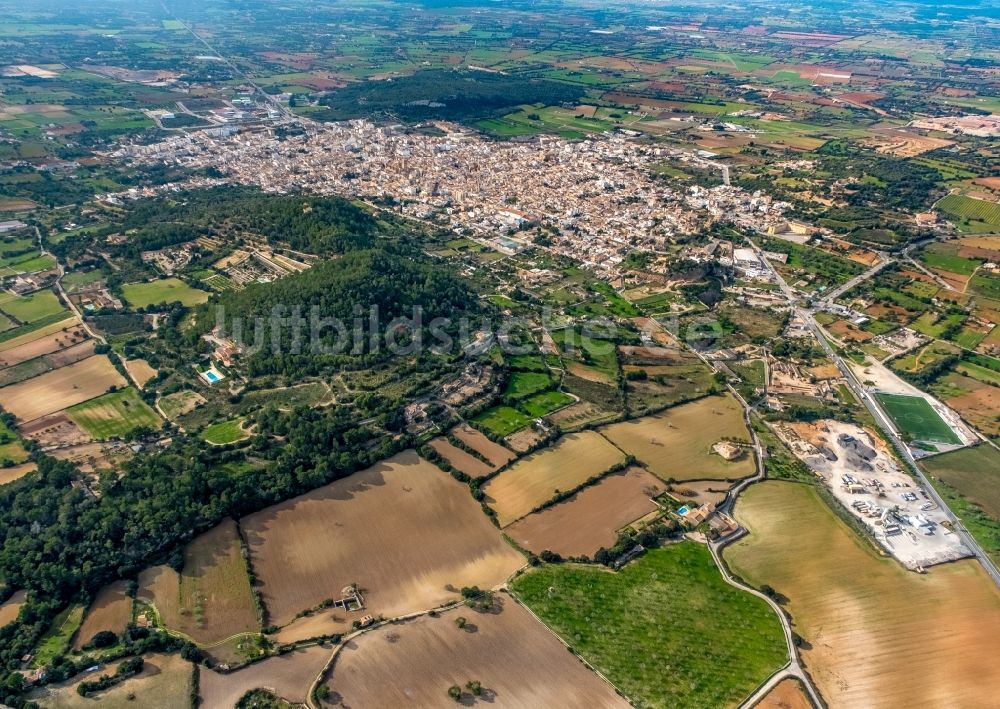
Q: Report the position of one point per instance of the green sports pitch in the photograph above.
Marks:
(915, 416)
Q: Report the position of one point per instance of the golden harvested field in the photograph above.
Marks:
(48, 344)
(536, 479)
(787, 694)
(591, 518)
(163, 683)
(42, 332)
(71, 354)
(16, 472)
(287, 676)
(460, 460)
(11, 607)
(677, 443)
(407, 533)
(517, 660)
(493, 452)
(878, 635)
(111, 610)
(989, 243)
(60, 388)
(210, 599)
(141, 371)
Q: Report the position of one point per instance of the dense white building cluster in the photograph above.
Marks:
(593, 200)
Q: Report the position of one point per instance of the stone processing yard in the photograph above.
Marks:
(869, 483)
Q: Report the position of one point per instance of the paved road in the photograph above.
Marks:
(837, 292)
(287, 112)
(884, 423)
(794, 667)
(69, 303)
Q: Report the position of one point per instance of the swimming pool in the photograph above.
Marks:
(683, 510)
(211, 376)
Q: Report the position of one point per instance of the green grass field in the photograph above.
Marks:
(57, 638)
(34, 307)
(114, 415)
(913, 415)
(950, 262)
(502, 420)
(666, 629)
(224, 432)
(974, 472)
(523, 384)
(969, 480)
(545, 403)
(167, 290)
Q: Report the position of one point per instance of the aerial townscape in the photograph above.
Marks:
(499, 353)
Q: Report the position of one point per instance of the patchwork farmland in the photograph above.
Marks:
(666, 629)
(677, 443)
(858, 612)
(210, 599)
(516, 659)
(288, 676)
(536, 479)
(165, 682)
(589, 520)
(111, 610)
(406, 533)
(493, 452)
(60, 388)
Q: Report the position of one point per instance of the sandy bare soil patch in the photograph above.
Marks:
(56, 429)
(406, 533)
(111, 610)
(210, 599)
(981, 408)
(787, 694)
(988, 243)
(537, 478)
(957, 281)
(92, 457)
(41, 345)
(908, 145)
(825, 371)
(677, 443)
(60, 388)
(460, 460)
(493, 452)
(702, 491)
(577, 415)
(16, 472)
(877, 635)
(141, 371)
(524, 440)
(11, 607)
(515, 658)
(590, 519)
(287, 676)
(163, 683)
(180, 403)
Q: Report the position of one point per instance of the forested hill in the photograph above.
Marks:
(392, 278)
(315, 225)
(445, 95)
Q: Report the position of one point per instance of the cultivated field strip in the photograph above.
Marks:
(537, 478)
